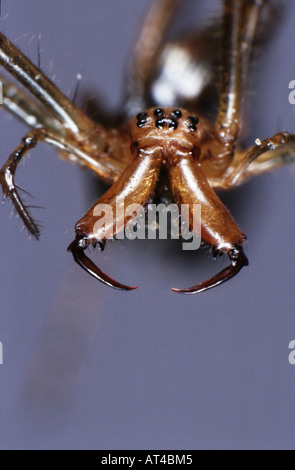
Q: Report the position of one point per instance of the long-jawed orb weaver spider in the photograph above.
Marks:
(160, 144)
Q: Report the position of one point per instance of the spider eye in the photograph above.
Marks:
(193, 123)
(141, 119)
(176, 113)
(173, 123)
(158, 112)
(160, 123)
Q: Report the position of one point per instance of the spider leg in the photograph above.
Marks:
(240, 20)
(265, 156)
(39, 85)
(31, 113)
(88, 143)
(148, 46)
(7, 174)
(117, 208)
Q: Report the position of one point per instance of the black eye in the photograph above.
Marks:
(141, 116)
(192, 127)
(160, 122)
(176, 113)
(194, 120)
(173, 123)
(193, 123)
(158, 112)
(141, 119)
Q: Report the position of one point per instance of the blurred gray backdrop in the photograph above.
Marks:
(88, 367)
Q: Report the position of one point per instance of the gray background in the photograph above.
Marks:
(89, 367)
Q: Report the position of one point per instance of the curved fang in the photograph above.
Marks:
(86, 263)
(238, 261)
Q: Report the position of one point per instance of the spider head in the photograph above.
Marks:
(166, 127)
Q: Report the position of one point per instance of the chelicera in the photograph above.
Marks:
(197, 155)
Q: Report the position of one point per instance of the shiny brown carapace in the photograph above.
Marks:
(165, 140)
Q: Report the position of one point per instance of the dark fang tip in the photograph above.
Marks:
(238, 261)
(77, 248)
(158, 112)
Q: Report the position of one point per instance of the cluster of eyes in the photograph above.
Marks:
(172, 122)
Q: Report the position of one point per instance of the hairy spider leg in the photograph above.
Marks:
(90, 143)
(240, 18)
(265, 156)
(7, 174)
(29, 111)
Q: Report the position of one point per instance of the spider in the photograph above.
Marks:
(167, 151)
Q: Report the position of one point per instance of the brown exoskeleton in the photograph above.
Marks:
(198, 156)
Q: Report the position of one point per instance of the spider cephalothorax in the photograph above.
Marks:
(197, 156)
